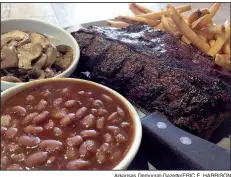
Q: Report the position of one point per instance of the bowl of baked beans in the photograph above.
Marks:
(67, 124)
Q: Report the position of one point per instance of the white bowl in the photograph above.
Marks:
(55, 34)
(11, 92)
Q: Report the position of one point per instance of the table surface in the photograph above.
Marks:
(68, 14)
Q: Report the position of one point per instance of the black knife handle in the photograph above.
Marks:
(172, 148)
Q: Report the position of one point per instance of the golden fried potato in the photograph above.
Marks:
(186, 30)
(220, 41)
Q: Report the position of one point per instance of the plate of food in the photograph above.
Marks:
(174, 69)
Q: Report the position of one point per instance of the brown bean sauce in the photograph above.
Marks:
(76, 126)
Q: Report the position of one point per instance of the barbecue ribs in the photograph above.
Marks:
(156, 71)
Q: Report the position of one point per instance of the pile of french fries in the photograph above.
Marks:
(197, 28)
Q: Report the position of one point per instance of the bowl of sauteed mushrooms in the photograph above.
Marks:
(33, 49)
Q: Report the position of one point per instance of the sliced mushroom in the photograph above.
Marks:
(10, 79)
(15, 34)
(51, 55)
(25, 40)
(9, 58)
(41, 61)
(5, 41)
(39, 38)
(12, 44)
(65, 56)
(27, 53)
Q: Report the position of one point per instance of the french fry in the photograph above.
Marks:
(158, 15)
(185, 40)
(211, 43)
(208, 36)
(220, 41)
(135, 10)
(226, 48)
(142, 8)
(216, 29)
(132, 20)
(186, 30)
(221, 60)
(196, 14)
(169, 27)
(204, 20)
(116, 24)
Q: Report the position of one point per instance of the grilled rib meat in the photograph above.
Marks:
(158, 72)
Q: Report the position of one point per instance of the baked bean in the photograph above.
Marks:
(41, 105)
(71, 153)
(113, 116)
(59, 113)
(30, 129)
(81, 112)
(4, 160)
(3, 130)
(70, 103)
(81, 93)
(97, 104)
(101, 157)
(65, 91)
(108, 138)
(77, 164)
(14, 167)
(89, 133)
(40, 118)
(49, 125)
(36, 159)
(107, 98)
(46, 93)
(11, 132)
(90, 94)
(28, 140)
(75, 141)
(83, 151)
(124, 125)
(19, 110)
(88, 121)
(5, 120)
(29, 117)
(57, 131)
(57, 102)
(120, 111)
(102, 112)
(18, 157)
(51, 159)
(12, 147)
(51, 145)
(113, 129)
(105, 148)
(100, 122)
(121, 138)
(94, 111)
(92, 145)
(30, 99)
(116, 155)
(67, 120)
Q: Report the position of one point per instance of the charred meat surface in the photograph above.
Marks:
(156, 71)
